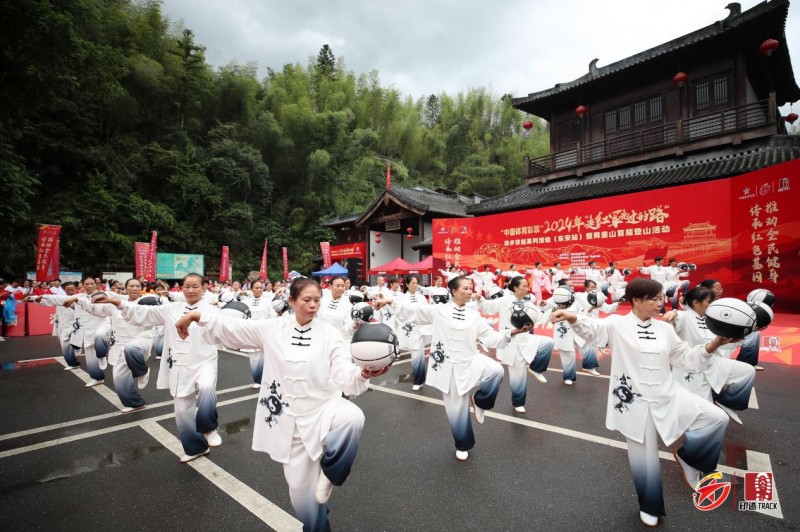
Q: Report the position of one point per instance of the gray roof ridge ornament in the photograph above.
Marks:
(735, 9)
(593, 70)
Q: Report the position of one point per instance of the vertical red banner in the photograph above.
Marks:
(262, 271)
(326, 254)
(142, 257)
(47, 252)
(285, 264)
(150, 275)
(225, 265)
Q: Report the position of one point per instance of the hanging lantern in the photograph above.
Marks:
(409, 236)
(580, 111)
(680, 78)
(768, 46)
(791, 117)
(377, 240)
(410, 230)
(527, 125)
(377, 235)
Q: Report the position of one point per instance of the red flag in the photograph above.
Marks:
(142, 257)
(225, 265)
(262, 272)
(150, 274)
(326, 254)
(388, 175)
(285, 264)
(47, 252)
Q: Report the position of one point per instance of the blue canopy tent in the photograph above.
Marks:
(332, 271)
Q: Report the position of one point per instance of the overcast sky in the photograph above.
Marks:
(430, 46)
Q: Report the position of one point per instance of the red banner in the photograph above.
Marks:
(225, 265)
(326, 254)
(150, 274)
(142, 259)
(262, 271)
(285, 264)
(357, 250)
(743, 231)
(47, 255)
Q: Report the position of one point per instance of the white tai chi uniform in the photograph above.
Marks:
(302, 421)
(90, 336)
(62, 325)
(644, 398)
(411, 337)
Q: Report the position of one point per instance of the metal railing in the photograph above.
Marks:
(736, 119)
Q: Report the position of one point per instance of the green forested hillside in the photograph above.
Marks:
(112, 124)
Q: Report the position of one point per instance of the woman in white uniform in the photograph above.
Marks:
(727, 382)
(90, 335)
(302, 420)
(189, 370)
(410, 334)
(525, 352)
(644, 399)
(259, 304)
(62, 325)
(128, 348)
(335, 309)
(455, 367)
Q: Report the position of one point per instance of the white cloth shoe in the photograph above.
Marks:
(462, 456)
(213, 438)
(93, 382)
(519, 409)
(142, 381)
(189, 457)
(648, 520)
(593, 371)
(538, 376)
(690, 475)
(324, 488)
(416, 387)
(568, 382)
(102, 363)
(129, 409)
(256, 385)
(477, 411)
(71, 368)
(731, 413)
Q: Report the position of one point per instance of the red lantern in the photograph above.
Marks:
(410, 230)
(580, 111)
(377, 240)
(409, 236)
(377, 235)
(768, 46)
(680, 78)
(791, 117)
(527, 125)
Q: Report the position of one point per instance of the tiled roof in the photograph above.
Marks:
(713, 165)
(429, 200)
(764, 15)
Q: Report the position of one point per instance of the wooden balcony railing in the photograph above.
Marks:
(737, 119)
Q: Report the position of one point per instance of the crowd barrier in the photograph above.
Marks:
(33, 320)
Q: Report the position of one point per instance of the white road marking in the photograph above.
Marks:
(760, 463)
(753, 404)
(261, 507)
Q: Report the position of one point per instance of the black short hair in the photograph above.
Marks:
(455, 282)
(643, 288)
(698, 293)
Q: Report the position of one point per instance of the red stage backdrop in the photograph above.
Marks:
(743, 231)
(47, 253)
(357, 250)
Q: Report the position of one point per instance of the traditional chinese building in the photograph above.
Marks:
(397, 224)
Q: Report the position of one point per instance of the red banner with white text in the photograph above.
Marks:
(225, 265)
(142, 258)
(262, 271)
(150, 275)
(285, 264)
(356, 250)
(47, 252)
(325, 247)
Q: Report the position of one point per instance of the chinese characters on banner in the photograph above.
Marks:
(225, 265)
(325, 247)
(142, 258)
(150, 274)
(356, 250)
(47, 252)
(262, 271)
(285, 264)
(743, 231)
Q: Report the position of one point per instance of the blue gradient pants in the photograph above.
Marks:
(301, 473)
(94, 350)
(568, 364)
(736, 392)
(196, 414)
(418, 365)
(158, 345)
(589, 356)
(69, 354)
(457, 406)
(518, 374)
(700, 450)
(125, 374)
(748, 352)
(257, 366)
